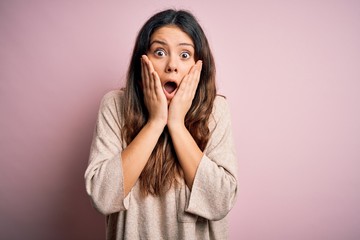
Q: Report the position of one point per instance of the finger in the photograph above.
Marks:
(193, 79)
(150, 65)
(143, 75)
(152, 77)
(157, 84)
(197, 70)
(197, 77)
(147, 75)
(148, 69)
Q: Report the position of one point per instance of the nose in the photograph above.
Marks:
(171, 66)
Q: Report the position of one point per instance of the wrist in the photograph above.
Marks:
(176, 126)
(156, 126)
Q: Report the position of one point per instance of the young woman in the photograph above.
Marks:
(162, 163)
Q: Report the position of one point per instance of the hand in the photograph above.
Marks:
(154, 97)
(181, 102)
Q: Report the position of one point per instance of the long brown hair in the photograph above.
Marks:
(163, 167)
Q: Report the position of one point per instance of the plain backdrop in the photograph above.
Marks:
(291, 74)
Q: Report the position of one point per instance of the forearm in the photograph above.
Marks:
(136, 154)
(187, 151)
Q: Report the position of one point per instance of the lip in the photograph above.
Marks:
(168, 95)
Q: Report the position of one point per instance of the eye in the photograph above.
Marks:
(185, 55)
(160, 52)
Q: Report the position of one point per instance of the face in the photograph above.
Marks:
(172, 55)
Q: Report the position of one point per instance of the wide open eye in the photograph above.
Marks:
(185, 55)
(160, 52)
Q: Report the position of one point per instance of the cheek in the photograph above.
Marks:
(186, 68)
(158, 65)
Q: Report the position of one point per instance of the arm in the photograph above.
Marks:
(142, 145)
(111, 172)
(214, 188)
(211, 175)
(187, 151)
(139, 150)
(103, 176)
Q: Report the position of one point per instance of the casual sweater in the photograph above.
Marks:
(199, 213)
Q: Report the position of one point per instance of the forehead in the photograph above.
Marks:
(171, 35)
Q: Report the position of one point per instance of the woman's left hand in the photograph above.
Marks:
(181, 102)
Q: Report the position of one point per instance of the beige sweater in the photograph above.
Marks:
(181, 213)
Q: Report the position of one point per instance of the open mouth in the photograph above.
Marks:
(170, 87)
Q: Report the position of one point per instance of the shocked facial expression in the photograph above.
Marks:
(171, 52)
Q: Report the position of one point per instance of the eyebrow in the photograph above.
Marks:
(164, 43)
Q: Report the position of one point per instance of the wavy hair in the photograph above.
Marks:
(163, 167)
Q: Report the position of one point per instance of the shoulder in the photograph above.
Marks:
(113, 95)
(220, 108)
(112, 99)
(220, 116)
(111, 104)
(220, 100)
(219, 122)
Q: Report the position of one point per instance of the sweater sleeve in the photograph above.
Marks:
(214, 189)
(104, 174)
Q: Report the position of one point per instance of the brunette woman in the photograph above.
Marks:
(162, 162)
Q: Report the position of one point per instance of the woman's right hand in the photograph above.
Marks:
(154, 97)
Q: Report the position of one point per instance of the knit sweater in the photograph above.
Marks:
(199, 213)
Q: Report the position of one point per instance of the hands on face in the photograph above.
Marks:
(154, 96)
(181, 102)
(155, 99)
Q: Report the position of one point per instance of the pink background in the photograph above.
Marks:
(291, 72)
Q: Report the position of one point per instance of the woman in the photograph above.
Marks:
(162, 162)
